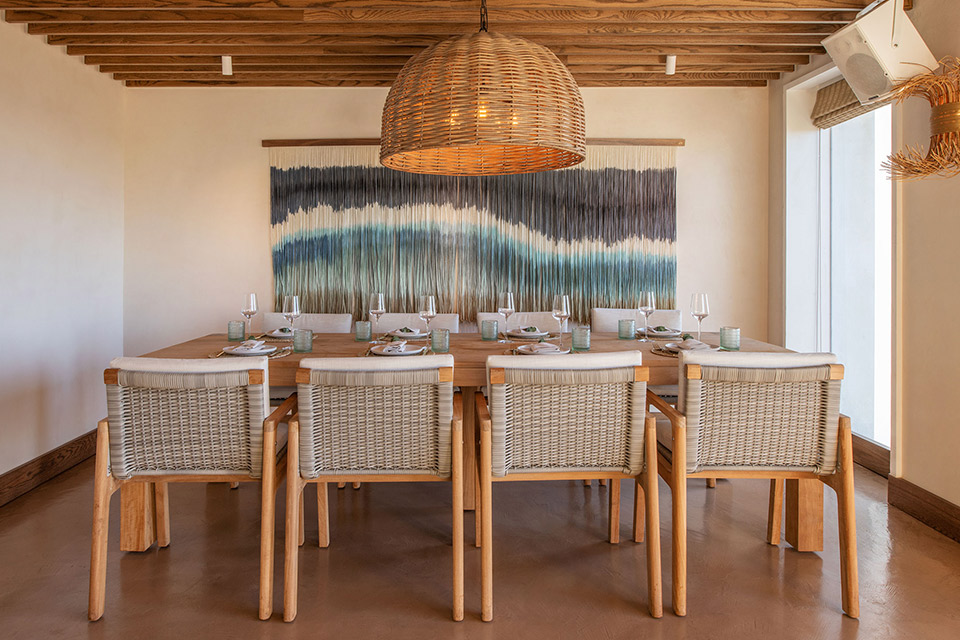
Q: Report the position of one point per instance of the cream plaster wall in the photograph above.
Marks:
(930, 308)
(61, 248)
(197, 194)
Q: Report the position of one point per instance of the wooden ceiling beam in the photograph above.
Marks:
(425, 5)
(388, 75)
(373, 60)
(395, 68)
(401, 50)
(165, 15)
(664, 82)
(446, 30)
(426, 40)
(408, 16)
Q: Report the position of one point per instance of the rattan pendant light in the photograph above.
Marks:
(483, 104)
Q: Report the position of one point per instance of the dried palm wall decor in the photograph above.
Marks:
(942, 90)
(343, 226)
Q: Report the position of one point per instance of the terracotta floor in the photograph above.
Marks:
(387, 573)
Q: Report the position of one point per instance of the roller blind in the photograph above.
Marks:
(836, 103)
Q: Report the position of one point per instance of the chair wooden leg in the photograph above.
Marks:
(161, 497)
(603, 482)
(292, 527)
(268, 508)
(323, 515)
(341, 485)
(775, 511)
(679, 466)
(457, 526)
(638, 511)
(711, 483)
(846, 514)
(650, 491)
(102, 490)
(301, 533)
(477, 508)
(234, 485)
(486, 528)
(614, 511)
(356, 485)
(587, 483)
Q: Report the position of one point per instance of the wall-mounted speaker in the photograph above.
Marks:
(879, 50)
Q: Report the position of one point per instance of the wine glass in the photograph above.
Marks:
(561, 311)
(428, 310)
(699, 309)
(249, 310)
(647, 305)
(291, 309)
(506, 307)
(377, 309)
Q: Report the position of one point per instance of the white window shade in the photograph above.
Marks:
(836, 103)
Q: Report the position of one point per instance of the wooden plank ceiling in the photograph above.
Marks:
(295, 43)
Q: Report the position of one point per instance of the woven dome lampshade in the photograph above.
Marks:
(483, 104)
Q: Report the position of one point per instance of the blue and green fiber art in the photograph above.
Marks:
(343, 227)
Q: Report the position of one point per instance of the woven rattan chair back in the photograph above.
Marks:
(385, 417)
(169, 417)
(557, 414)
(774, 411)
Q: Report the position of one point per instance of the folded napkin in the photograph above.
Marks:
(526, 331)
(693, 345)
(407, 330)
(542, 347)
(250, 345)
(396, 347)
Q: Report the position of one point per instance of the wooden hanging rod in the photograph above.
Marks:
(349, 142)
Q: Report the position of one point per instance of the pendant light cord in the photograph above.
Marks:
(483, 15)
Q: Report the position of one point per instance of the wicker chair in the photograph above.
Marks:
(758, 415)
(544, 320)
(393, 321)
(375, 420)
(569, 418)
(316, 322)
(186, 421)
(608, 320)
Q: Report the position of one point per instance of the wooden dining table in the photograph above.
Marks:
(803, 498)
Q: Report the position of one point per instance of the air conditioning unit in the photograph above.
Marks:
(879, 50)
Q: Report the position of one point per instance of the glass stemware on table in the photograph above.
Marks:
(699, 309)
(377, 309)
(249, 310)
(506, 307)
(561, 311)
(428, 310)
(646, 306)
(291, 309)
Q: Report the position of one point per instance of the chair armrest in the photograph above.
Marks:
(458, 410)
(286, 408)
(483, 413)
(665, 408)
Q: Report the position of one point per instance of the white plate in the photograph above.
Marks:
(409, 336)
(528, 334)
(673, 347)
(527, 349)
(408, 350)
(237, 351)
(277, 333)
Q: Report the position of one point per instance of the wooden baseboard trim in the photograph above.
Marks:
(871, 455)
(30, 475)
(928, 508)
